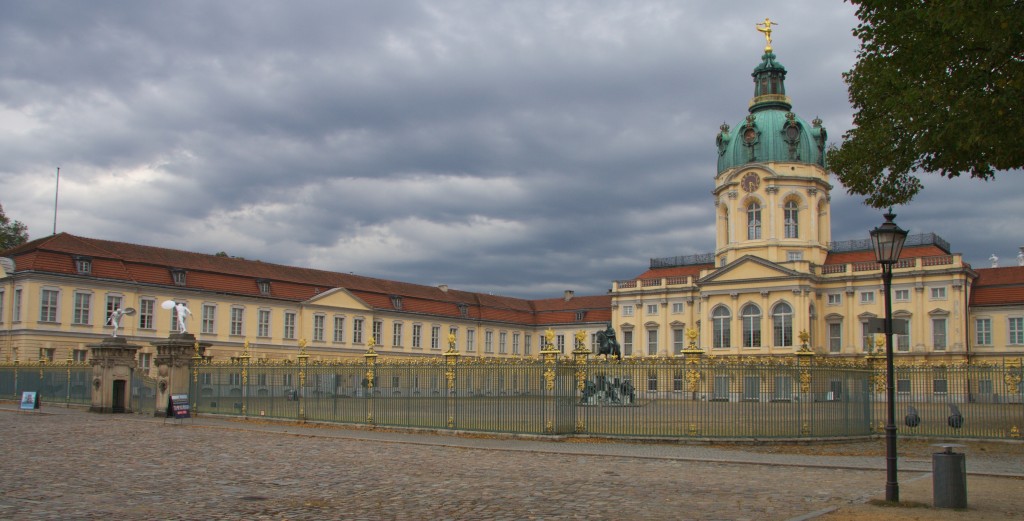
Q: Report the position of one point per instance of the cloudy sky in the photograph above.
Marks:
(515, 147)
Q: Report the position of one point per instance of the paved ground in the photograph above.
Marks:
(68, 464)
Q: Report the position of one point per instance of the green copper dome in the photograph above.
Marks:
(771, 132)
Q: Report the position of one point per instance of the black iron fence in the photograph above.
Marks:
(705, 397)
(645, 397)
(62, 383)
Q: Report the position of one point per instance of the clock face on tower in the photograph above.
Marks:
(750, 182)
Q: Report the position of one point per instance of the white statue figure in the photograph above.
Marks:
(1020, 258)
(115, 319)
(995, 260)
(183, 313)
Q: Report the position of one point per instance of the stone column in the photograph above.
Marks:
(113, 361)
(172, 360)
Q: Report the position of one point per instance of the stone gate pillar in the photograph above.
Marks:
(172, 360)
(113, 362)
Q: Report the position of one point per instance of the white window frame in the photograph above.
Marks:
(339, 329)
(263, 316)
(396, 334)
(867, 297)
(237, 322)
(147, 310)
(627, 310)
(319, 326)
(983, 335)
(49, 312)
(82, 310)
(901, 295)
(417, 336)
(938, 335)
(208, 319)
(834, 299)
(288, 325)
(937, 293)
(678, 308)
(1015, 331)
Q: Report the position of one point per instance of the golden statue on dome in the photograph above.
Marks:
(766, 28)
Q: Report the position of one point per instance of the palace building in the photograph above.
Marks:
(775, 284)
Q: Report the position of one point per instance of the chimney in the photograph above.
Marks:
(569, 294)
(443, 287)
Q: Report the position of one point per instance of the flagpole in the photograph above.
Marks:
(56, 194)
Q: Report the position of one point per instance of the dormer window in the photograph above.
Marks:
(178, 276)
(83, 265)
(580, 315)
(396, 302)
(264, 286)
(463, 310)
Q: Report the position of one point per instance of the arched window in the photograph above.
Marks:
(720, 319)
(753, 221)
(792, 220)
(751, 316)
(782, 325)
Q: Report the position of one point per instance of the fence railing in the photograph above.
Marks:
(655, 397)
(709, 397)
(62, 383)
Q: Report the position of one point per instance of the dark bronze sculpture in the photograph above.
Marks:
(608, 345)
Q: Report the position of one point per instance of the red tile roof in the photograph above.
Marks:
(692, 270)
(998, 286)
(849, 257)
(152, 265)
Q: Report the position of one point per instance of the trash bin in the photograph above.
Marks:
(949, 478)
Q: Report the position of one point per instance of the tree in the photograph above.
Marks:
(938, 87)
(12, 233)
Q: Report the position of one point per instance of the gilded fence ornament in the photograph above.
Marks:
(1014, 432)
(1012, 376)
(692, 377)
(805, 381)
(549, 379)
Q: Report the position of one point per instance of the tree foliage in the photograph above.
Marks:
(938, 87)
(12, 233)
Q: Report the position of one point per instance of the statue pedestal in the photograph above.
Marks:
(172, 361)
(113, 361)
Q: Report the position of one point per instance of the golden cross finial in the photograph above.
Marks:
(766, 28)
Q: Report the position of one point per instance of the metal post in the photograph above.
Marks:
(892, 486)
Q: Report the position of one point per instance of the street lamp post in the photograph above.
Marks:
(887, 241)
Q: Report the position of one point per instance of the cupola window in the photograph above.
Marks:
(792, 214)
(753, 221)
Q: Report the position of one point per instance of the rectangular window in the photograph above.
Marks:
(677, 308)
(319, 322)
(357, 331)
(471, 337)
(983, 331)
(262, 322)
(48, 300)
(502, 340)
(1015, 331)
(868, 337)
(939, 293)
(652, 381)
(677, 381)
(16, 312)
(627, 343)
(515, 343)
(83, 305)
(417, 336)
(939, 334)
(835, 337)
(47, 353)
(79, 355)
(237, 321)
(288, 331)
(652, 309)
(488, 341)
(339, 329)
(146, 307)
(835, 299)
(652, 342)
(114, 303)
(902, 341)
(378, 332)
(794, 255)
(560, 343)
(678, 340)
(867, 297)
(627, 311)
(145, 361)
(396, 334)
(209, 319)
(720, 389)
(435, 337)
(901, 295)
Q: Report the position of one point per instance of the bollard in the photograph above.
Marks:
(949, 478)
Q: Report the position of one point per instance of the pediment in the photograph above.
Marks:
(748, 268)
(339, 298)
